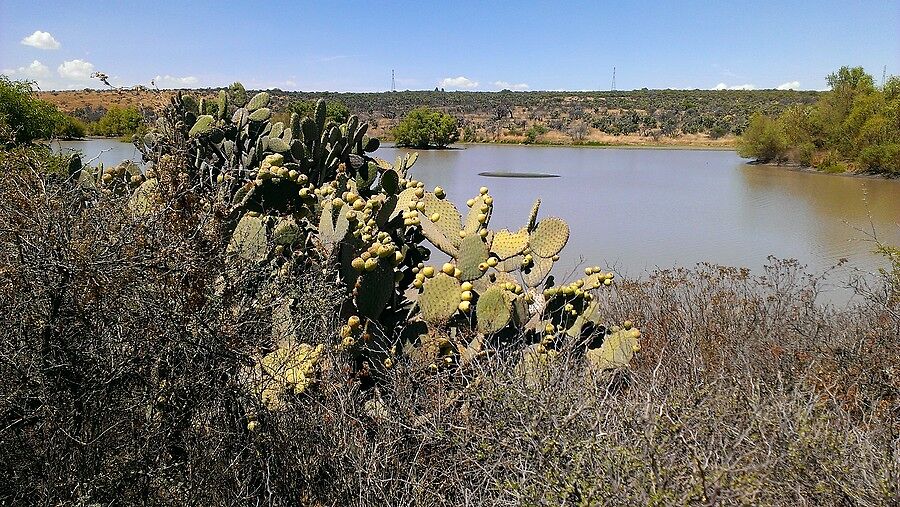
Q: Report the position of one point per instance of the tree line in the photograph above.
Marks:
(853, 127)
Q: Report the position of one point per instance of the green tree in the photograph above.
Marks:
(763, 140)
(119, 122)
(424, 127)
(335, 110)
(24, 116)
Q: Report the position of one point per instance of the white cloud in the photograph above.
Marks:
(790, 85)
(504, 85)
(723, 86)
(41, 40)
(77, 70)
(458, 82)
(35, 70)
(168, 81)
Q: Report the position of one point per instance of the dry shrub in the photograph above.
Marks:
(121, 380)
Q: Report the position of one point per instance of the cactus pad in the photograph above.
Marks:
(509, 244)
(439, 299)
(374, 290)
(472, 224)
(286, 231)
(437, 237)
(472, 252)
(287, 370)
(539, 270)
(261, 114)
(449, 220)
(616, 351)
(249, 239)
(260, 100)
(203, 125)
(494, 310)
(550, 236)
(532, 218)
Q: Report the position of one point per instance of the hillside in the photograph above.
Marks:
(667, 117)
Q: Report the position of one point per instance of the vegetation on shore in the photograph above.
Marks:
(255, 320)
(853, 127)
(671, 117)
(424, 128)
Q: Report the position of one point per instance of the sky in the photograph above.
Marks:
(460, 45)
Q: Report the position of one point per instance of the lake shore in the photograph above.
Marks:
(807, 169)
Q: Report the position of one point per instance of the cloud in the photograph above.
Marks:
(723, 86)
(35, 70)
(458, 82)
(503, 85)
(168, 81)
(41, 40)
(77, 70)
(790, 85)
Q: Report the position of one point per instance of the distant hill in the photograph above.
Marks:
(688, 117)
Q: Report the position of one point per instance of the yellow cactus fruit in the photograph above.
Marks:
(464, 306)
(470, 203)
(358, 264)
(628, 325)
(448, 268)
(439, 192)
(428, 271)
(353, 321)
(466, 286)
(435, 217)
(483, 190)
(371, 264)
(466, 295)
(492, 261)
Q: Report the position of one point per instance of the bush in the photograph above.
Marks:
(424, 127)
(763, 140)
(881, 158)
(335, 110)
(119, 122)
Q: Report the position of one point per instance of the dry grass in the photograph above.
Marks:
(121, 384)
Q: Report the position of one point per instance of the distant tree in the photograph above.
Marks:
(534, 132)
(23, 115)
(424, 127)
(578, 129)
(335, 110)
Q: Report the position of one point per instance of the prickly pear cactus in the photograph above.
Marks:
(494, 310)
(549, 237)
(440, 298)
(249, 239)
(616, 351)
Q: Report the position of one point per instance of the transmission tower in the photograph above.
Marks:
(393, 83)
(613, 87)
(883, 75)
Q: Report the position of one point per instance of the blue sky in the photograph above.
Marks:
(478, 45)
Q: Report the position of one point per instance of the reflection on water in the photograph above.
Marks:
(108, 151)
(637, 209)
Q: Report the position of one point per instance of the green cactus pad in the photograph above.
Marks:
(390, 181)
(286, 231)
(277, 145)
(437, 237)
(472, 252)
(374, 290)
(283, 333)
(449, 220)
(512, 264)
(261, 114)
(439, 299)
(222, 104)
(492, 278)
(593, 281)
(539, 270)
(277, 129)
(259, 101)
(143, 198)
(249, 239)
(493, 310)
(472, 225)
(509, 244)
(203, 125)
(616, 351)
(403, 199)
(549, 237)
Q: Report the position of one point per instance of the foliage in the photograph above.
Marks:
(335, 111)
(27, 117)
(69, 127)
(853, 126)
(763, 140)
(533, 132)
(424, 127)
(118, 122)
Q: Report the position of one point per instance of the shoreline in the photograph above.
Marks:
(812, 170)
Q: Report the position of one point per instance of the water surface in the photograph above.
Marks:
(638, 209)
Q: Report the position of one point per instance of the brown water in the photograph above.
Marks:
(638, 209)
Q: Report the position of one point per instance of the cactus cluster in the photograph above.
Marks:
(308, 194)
